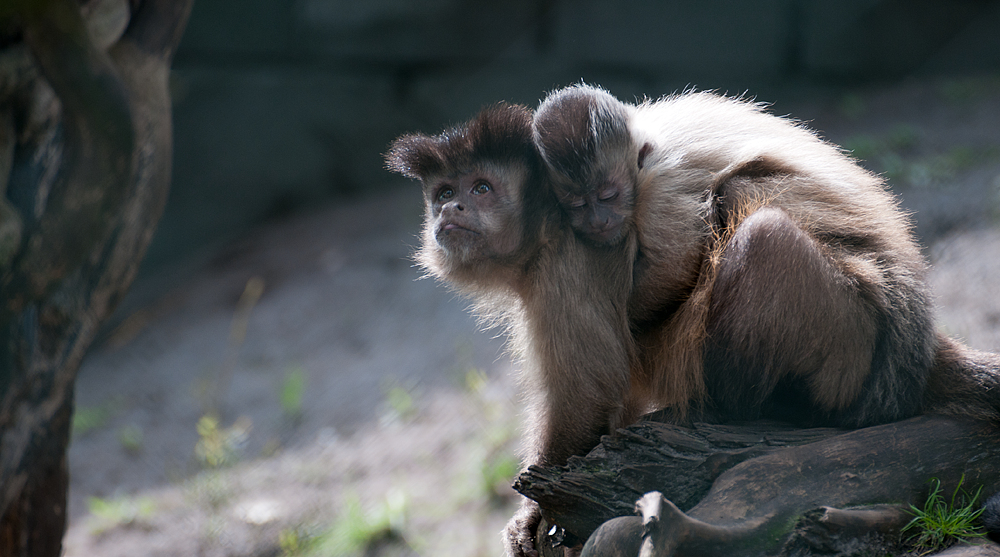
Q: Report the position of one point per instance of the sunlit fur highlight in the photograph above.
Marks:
(742, 159)
(712, 162)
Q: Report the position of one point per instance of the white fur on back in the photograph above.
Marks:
(707, 131)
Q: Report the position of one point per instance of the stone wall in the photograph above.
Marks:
(281, 104)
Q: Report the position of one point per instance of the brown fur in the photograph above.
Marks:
(576, 131)
(773, 275)
(756, 269)
(964, 382)
(562, 300)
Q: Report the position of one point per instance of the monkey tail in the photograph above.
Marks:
(966, 382)
(963, 382)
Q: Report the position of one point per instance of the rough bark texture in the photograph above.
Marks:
(85, 149)
(791, 492)
(682, 463)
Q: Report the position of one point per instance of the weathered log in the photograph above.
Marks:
(680, 462)
(791, 501)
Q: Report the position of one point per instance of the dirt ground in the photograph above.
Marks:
(356, 404)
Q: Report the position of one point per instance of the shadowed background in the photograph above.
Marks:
(279, 105)
(352, 401)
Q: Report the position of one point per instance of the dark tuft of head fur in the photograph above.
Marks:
(501, 133)
(572, 124)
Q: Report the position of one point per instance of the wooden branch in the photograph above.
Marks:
(803, 498)
(680, 462)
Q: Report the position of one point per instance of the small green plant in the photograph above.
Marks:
(130, 438)
(218, 446)
(476, 380)
(966, 91)
(293, 387)
(863, 147)
(903, 137)
(497, 474)
(941, 523)
(210, 490)
(400, 400)
(895, 156)
(90, 418)
(120, 511)
(294, 542)
(355, 531)
(400, 405)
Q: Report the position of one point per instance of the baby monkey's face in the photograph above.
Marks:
(599, 211)
(583, 135)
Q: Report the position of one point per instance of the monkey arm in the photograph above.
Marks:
(580, 343)
(576, 339)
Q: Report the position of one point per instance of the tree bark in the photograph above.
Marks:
(85, 150)
(790, 492)
(680, 462)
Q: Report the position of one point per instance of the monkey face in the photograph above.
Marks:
(599, 211)
(475, 215)
(583, 136)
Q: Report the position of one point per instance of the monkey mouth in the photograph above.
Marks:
(449, 227)
(605, 236)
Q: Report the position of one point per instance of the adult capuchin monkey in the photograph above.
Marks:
(494, 232)
(773, 276)
(735, 248)
(769, 265)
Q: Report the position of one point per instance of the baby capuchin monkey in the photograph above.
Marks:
(773, 275)
(583, 135)
(494, 231)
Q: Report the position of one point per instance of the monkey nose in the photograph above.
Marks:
(601, 224)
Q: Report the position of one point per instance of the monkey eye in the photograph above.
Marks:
(576, 203)
(481, 187)
(445, 193)
(608, 195)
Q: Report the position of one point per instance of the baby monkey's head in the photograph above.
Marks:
(583, 135)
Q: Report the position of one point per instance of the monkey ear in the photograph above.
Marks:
(643, 153)
(415, 156)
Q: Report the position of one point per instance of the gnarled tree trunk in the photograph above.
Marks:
(85, 151)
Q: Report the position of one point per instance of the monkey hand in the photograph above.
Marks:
(521, 530)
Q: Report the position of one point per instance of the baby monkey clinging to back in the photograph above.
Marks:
(769, 265)
(583, 134)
